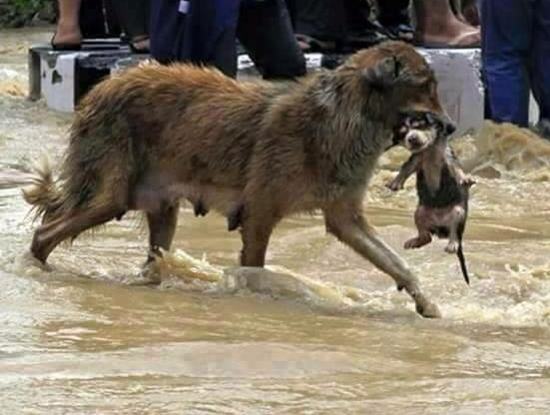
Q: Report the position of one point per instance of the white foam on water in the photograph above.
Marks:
(486, 303)
(182, 271)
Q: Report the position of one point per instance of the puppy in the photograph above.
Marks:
(442, 186)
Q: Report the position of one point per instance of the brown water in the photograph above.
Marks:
(83, 338)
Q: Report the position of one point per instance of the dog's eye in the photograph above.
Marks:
(430, 120)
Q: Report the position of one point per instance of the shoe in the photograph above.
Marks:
(468, 40)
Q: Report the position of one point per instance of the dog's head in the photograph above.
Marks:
(416, 131)
(401, 76)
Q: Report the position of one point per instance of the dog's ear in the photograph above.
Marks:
(384, 74)
(391, 71)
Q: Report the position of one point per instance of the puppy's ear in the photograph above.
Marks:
(384, 74)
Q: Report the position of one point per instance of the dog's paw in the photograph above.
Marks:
(428, 310)
(467, 182)
(412, 244)
(452, 247)
(394, 186)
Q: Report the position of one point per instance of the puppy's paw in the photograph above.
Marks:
(412, 244)
(467, 182)
(452, 247)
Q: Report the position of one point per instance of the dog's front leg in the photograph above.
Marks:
(350, 227)
(255, 233)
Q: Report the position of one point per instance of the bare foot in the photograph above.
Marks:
(467, 36)
(437, 26)
(67, 35)
(141, 44)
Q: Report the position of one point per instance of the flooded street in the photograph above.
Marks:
(86, 338)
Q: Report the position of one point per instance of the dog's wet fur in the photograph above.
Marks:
(255, 152)
(442, 186)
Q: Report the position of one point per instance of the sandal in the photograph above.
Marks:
(64, 46)
(139, 44)
(456, 43)
(403, 32)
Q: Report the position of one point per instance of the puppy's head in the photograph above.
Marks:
(417, 131)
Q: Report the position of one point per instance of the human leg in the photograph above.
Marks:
(438, 26)
(67, 33)
(506, 43)
(540, 58)
(266, 32)
(394, 16)
(134, 17)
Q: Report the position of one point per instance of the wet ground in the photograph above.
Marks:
(82, 338)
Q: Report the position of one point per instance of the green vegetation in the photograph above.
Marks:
(17, 13)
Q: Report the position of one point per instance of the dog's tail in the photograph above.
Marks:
(462, 261)
(43, 194)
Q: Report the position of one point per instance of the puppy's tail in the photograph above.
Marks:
(462, 261)
(43, 194)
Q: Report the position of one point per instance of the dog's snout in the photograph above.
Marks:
(414, 140)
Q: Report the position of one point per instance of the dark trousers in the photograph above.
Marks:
(516, 58)
(394, 12)
(133, 16)
(263, 28)
(321, 19)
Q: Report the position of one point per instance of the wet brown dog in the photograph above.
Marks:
(153, 135)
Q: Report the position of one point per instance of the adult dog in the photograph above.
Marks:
(153, 135)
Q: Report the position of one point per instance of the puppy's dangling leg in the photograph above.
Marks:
(423, 224)
(456, 221)
(422, 239)
(452, 246)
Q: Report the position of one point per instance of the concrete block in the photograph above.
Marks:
(62, 78)
(458, 72)
(58, 81)
(66, 77)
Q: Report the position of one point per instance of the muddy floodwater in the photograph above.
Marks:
(337, 338)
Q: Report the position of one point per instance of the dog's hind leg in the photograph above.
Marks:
(349, 226)
(69, 225)
(162, 227)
